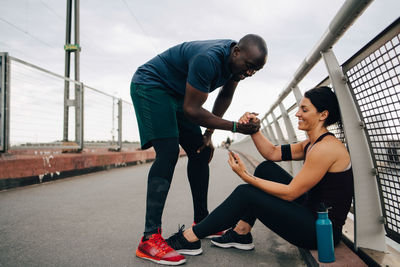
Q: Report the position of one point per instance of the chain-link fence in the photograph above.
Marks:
(33, 101)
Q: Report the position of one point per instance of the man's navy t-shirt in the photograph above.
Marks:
(203, 64)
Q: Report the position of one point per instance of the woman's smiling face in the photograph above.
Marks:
(307, 115)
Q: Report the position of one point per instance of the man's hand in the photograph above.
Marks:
(248, 123)
(249, 116)
(249, 128)
(207, 143)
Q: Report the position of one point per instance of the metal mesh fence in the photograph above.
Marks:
(337, 130)
(100, 115)
(36, 111)
(36, 106)
(375, 84)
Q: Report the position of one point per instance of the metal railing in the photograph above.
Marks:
(374, 80)
(32, 111)
(368, 90)
(4, 102)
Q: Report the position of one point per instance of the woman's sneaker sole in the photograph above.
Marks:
(234, 245)
(191, 252)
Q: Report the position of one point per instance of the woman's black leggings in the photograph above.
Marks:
(289, 219)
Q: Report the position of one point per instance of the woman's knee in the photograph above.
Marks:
(269, 170)
(264, 168)
(243, 190)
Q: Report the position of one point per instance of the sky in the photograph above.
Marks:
(120, 35)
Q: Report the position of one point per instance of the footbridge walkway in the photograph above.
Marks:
(96, 219)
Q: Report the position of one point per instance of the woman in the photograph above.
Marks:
(288, 206)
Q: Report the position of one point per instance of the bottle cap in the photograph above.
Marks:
(323, 208)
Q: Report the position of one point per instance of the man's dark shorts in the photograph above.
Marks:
(159, 113)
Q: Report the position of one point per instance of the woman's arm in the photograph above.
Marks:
(268, 150)
(315, 167)
(264, 146)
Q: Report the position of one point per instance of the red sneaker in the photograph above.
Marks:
(157, 250)
(217, 234)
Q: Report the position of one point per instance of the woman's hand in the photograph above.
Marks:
(236, 164)
(249, 116)
(249, 119)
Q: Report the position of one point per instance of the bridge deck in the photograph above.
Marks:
(97, 220)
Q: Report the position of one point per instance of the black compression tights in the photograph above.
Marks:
(159, 181)
(290, 220)
(161, 172)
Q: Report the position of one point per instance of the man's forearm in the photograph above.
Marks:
(224, 98)
(221, 105)
(194, 100)
(209, 120)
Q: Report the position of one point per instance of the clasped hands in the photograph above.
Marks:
(248, 123)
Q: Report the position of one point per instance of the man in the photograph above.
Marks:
(168, 93)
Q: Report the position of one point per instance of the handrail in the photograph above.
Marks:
(63, 77)
(343, 19)
(366, 86)
(43, 70)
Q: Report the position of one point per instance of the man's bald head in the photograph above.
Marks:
(250, 41)
(248, 56)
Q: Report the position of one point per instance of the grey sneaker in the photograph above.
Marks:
(233, 239)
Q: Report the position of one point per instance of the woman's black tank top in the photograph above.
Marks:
(336, 190)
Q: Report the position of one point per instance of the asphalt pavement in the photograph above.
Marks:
(97, 219)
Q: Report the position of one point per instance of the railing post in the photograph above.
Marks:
(119, 124)
(281, 141)
(368, 223)
(264, 130)
(79, 114)
(2, 99)
(297, 94)
(67, 71)
(296, 165)
(273, 139)
(113, 121)
(4, 102)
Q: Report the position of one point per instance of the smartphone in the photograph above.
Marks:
(233, 155)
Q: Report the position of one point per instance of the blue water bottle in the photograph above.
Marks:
(326, 251)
